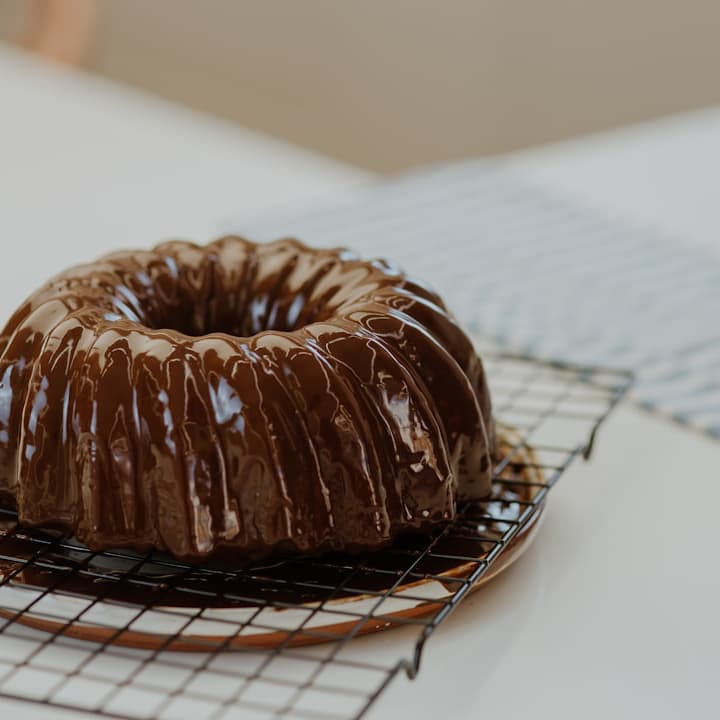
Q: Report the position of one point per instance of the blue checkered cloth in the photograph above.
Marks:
(542, 275)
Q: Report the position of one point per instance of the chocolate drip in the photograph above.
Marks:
(239, 398)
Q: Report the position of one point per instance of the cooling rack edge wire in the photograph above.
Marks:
(289, 624)
(617, 382)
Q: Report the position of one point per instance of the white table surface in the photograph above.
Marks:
(662, 175)
(616, 618)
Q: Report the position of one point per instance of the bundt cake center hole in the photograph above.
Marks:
(229, 315)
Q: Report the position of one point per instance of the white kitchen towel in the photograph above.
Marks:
(542, 275)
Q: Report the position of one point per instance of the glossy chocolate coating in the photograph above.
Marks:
(239, 398)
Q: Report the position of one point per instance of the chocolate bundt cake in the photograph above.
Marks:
(239, 398)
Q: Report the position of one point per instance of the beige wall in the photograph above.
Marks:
(391, 83)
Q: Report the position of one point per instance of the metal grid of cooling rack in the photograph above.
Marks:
(112, 633)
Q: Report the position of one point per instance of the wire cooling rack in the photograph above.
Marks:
(122, 635)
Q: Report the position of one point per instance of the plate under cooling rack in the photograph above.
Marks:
(123, 635)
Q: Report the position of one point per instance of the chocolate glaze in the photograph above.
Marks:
(239, 398)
